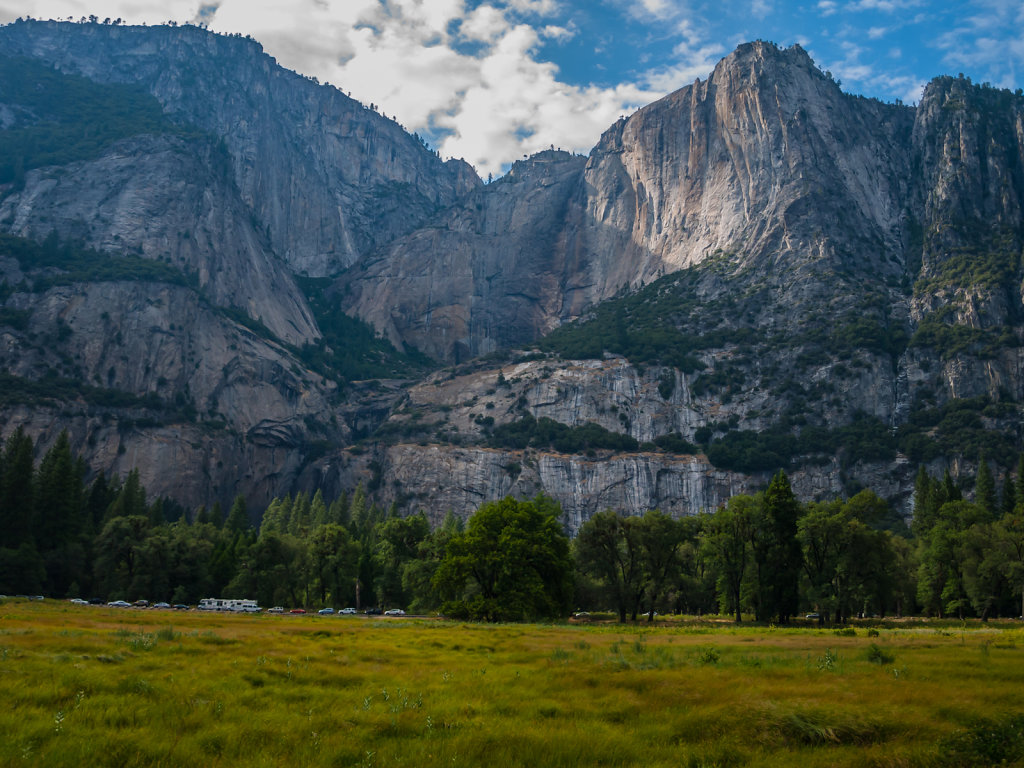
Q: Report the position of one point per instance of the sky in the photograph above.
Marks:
(492, 80)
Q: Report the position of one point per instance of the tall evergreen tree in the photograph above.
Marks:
(238, 518)
(130, 500)
(985, 487)
(59, 519)
(17, 493)
(784, 558)
(217, 515)
(950, 490)
(1020, 479)
(99, 498)
(318, 509)
(1008, 501)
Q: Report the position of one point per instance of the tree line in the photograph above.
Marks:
(765, 556)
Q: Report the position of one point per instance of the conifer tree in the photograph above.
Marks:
(339, 510)
(217, 515)
(18, 490)
(299, 524)
(238, 518)
(58, 497)
(1020, 479)
(318, 509)
(97, 501)
(950, 490)
(1008, 501)
(985, 487)
(130, 500)
(782, 569)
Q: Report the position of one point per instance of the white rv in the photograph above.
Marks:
(220, 604)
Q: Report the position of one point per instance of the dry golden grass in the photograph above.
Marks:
(101, 686)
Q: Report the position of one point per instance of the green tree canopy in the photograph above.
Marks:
(511, 563)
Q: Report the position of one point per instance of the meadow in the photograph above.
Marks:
(98, 686)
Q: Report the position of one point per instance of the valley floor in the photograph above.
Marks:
(91, 685)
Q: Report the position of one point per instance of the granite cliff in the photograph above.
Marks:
(756, 271)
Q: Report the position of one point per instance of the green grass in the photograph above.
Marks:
(99, 686)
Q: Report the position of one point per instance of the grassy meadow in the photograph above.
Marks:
(86, 685)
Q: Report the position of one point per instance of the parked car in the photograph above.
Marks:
(95, 601)
(297, 610)
(119, 604)
(394, 612)
(181, 607)
(161, 605)
(373, 611)
(347, 612)
(812, 616)
(326, 612)
(79, 601)
(275, 609)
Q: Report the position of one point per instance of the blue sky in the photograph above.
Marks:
(492, 80)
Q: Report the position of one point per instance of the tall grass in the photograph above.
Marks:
(97, 686)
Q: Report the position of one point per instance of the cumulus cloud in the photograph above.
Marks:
(988, 39)
(467, 76)
(477, 80)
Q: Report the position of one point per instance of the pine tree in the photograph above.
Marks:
(926, 494)
(950, 490)
(98, 499)
(782, 569)
(318, 509)
(58, 497)
(359, 511)
(1020, 479)
(339, 510)
(238, 517)
(18, 490)
(299, 524)
(130, 500)
(217, 515)
(1008, 501)
(985, 487)
(271, 521)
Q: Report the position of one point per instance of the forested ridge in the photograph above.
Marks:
(765, 556)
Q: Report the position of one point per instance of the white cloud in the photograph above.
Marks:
(536, 7)
(552, 32)
(137, 11)
(988, 40)
(885, 6)
(827, 7)
(657, 8)
(485, 24)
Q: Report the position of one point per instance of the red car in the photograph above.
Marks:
(297, 610)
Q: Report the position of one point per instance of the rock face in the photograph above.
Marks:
(844, 261)
(488, 273)
(326, 178)
(756, 271)
(767, 160)
(245, 420)
(270, 176)
(170, 200)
